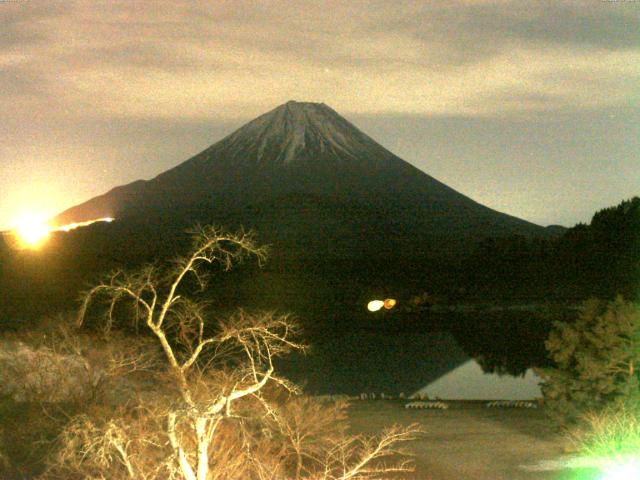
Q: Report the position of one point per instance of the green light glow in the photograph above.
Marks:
(625, 470)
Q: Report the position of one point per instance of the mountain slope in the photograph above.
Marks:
(304, 149)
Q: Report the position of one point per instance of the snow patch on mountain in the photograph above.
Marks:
(296, 126)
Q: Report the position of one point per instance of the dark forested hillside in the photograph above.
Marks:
(601, 258)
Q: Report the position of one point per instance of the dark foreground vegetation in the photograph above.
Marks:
(156, 383)
(184, 397)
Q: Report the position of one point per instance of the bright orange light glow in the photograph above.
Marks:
(32, 230)
(389, 303)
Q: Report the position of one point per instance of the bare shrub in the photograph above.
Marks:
(28, 374)
(219, 411)
(55, 362)
(103, 443)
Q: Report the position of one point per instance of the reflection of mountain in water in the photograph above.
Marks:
(373, 362)
(406, 354)
(469, 382)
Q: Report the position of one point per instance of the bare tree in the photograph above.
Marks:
(202, 425)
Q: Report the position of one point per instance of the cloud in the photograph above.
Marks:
(189, 59)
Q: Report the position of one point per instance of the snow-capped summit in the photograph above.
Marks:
(302, 131)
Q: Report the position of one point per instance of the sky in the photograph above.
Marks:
(529, 107)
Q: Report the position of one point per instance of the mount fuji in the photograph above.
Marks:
(302, 171)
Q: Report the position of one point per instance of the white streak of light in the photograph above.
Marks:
(73, 226)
